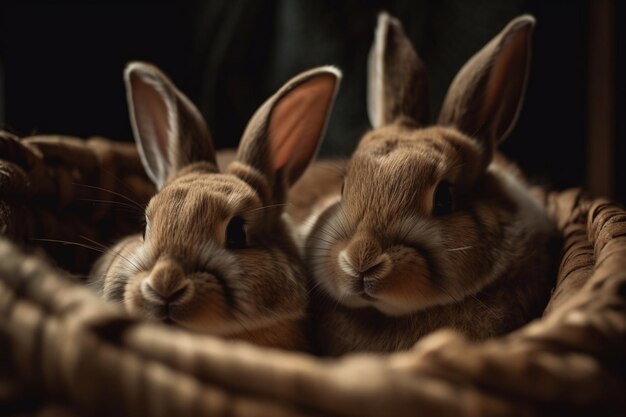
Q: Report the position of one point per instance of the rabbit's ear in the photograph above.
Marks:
(397, 81)
(284, 134)
(485, 98)
(169, 130)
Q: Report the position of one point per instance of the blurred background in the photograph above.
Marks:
(61, 68)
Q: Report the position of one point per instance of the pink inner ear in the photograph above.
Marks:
(298, 121)
(151, 116)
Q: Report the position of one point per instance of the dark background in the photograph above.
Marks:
(61, 65)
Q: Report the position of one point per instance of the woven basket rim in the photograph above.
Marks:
(571, 360)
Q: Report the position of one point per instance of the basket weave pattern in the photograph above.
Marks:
(65, 352)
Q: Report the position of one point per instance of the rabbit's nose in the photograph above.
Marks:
(163, 295)
(166, 283)
(354, 267)
(362, 257)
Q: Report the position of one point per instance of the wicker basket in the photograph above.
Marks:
(65, 352)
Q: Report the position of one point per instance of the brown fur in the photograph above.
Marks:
(386, 268)
(183, 272)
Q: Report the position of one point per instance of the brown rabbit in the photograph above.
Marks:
(216, 256)
(433, 228)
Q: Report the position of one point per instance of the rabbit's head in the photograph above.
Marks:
(215, 255)
(428, 214)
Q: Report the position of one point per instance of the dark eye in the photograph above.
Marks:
(236, 233)
(443, 203)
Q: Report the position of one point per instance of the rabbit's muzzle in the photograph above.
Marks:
(166, 282)
(165, 288)
(365, 263)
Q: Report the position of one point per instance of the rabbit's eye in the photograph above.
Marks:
(236, 233)
(443, 202)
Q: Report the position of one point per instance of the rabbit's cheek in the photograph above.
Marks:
(336, 279)
(207, 311)
(133, 298)
(409, 284)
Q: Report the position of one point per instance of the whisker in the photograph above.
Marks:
(133, 262)
(266, 207)
(94, 242)
(116, 203)
(116, 178)
(112, 192)
(459, 249)
(67, 242)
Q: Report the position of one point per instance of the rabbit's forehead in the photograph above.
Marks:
(391, 183)
(414, 156)
(205, 197)
(403, 166)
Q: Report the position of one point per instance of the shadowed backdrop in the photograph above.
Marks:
(61, 65)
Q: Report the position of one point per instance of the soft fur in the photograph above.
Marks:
(182, 271)
(387, 270)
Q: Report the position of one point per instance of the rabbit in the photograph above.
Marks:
(432, 226)
(216, 256)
